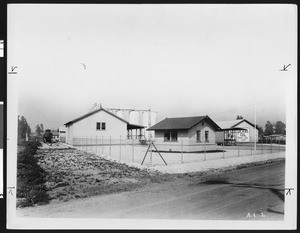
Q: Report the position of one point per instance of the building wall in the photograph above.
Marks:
(187, 140)
(62, 134)
(86, 128)
(202, 127)
(220, 135)
(182, 139)
(252, 129)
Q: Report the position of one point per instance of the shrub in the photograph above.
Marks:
(48, 136)
(30, 177)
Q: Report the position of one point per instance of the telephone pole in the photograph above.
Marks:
(255, 124)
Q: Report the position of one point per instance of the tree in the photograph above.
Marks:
(39, 129)
(280, 128)
(23, 128)
(239, 117)
(260, 131)
(269, 128)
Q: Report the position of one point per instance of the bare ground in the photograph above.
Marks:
(256, 195)
(248, 191)
(76, 174)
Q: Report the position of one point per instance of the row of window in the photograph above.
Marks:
(198, 136)
(100, 126)
(171, 136)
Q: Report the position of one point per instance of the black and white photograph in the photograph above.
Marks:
(151, 116)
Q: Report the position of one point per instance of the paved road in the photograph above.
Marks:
(253, 193)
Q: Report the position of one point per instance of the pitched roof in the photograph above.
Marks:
(233, 123)
(129, 126)
(181, 123)
(92, 113)
(228, 124)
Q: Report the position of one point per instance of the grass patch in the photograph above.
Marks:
(30, 177)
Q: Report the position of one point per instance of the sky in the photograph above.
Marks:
(178, 60)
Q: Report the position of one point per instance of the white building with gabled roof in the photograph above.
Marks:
(237, 131)
(100, 124)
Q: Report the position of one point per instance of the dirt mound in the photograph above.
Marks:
(75, 174)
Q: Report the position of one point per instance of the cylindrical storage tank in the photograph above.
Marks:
(119, 113)
(145, 118)
(153, 118)
(134, 117)
(141, 122)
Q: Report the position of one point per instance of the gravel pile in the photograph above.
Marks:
(75, 174)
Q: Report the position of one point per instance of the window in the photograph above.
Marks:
(100, 126)
(174, 136)
(170, 136)
(167, 136)
(206, 136)
(198, 134)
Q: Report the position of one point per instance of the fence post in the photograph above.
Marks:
(181, 148)
(102, 144)
(110, 146)
(204, 150)
(91, 143)
(223, 149)
(262, 147)
(280, 145)
(251, 149)
(86, 143)
(96, 144)
(132, 149)
(271, 147)
(120, 148)
(238, 149)
(151, 153)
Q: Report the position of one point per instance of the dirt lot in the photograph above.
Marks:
(75, 174)
(246, 192)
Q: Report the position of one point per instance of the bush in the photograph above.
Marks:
(48, 136)
(30, 177)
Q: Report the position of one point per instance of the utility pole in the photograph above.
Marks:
(149, 122)
(255, 125)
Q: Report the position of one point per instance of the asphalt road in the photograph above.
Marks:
(253, 193)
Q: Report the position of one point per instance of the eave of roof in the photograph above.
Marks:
(233, 123)
(244, 120)
(92, 113)
(233, 128)
(133, 126)
(181, 123)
